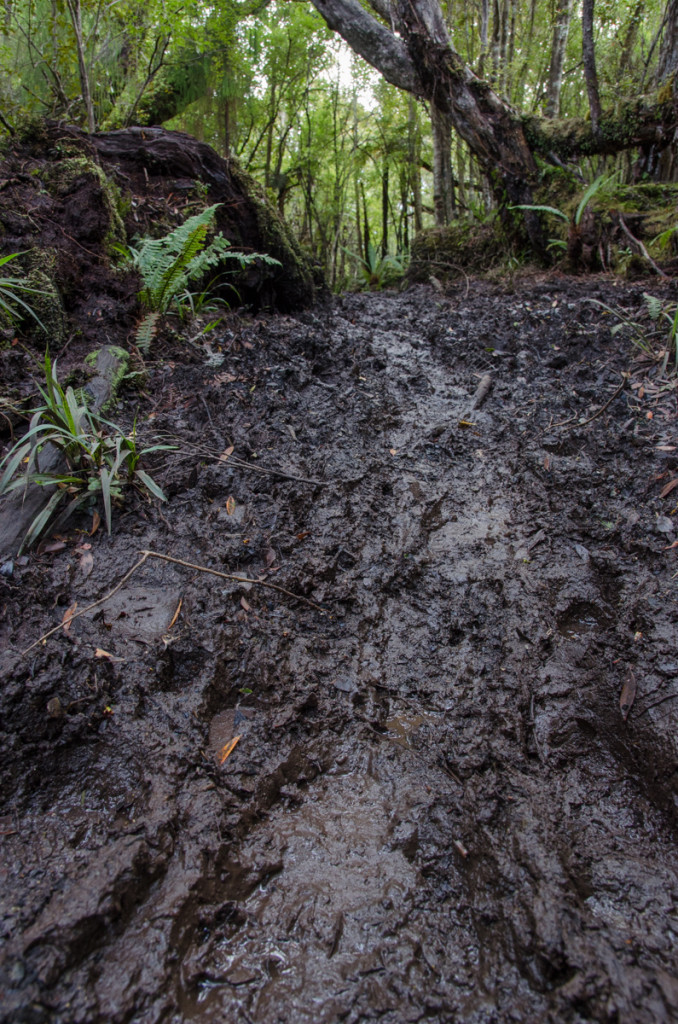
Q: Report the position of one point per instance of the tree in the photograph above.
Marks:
(414, 52)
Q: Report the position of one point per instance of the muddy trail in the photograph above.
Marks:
(436, 808)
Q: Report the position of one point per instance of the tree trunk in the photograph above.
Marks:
(590, 73)
(421, 60)
(442, 167)
(484, 22)
(561, 31)
(414, 148)
(384, 209)
(75, 13)
(667, 64)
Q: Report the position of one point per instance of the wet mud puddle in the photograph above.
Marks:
(423, 805)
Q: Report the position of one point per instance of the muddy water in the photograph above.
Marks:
(434, 809)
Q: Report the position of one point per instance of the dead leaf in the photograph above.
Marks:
(176, 614)
(665, 447)
(670, 546)
(466, 424)
(245, 605)
(303, 535)
(96, 523)
(51, 549)
(270, 556)
(226, 453)
(669, 487)
(100, 653)
(86, 558)
(393, 451)
(230, 505)
(547, 463)
(649, 415)
(641, 391)
(86, 563)
(228, 749)
(628, 694)
(68, 615)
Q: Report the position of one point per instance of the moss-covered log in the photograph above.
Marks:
(639, 122)
(159, 162)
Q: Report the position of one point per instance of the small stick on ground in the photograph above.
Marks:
(145, 555)
(89, 607)
(643, 251)
(482, 391)
(230, 576)
(573, 420)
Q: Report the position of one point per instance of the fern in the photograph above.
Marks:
(654, 306)
(168, 264)
(146, 331)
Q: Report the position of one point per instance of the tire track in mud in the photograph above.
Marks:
(434, 811)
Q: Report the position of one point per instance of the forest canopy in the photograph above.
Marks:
(427, 113)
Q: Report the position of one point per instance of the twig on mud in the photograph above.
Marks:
(583, 423)
(656, 703)
(643, 251)
(482, 391)
(145, 555)
(210, 453)
(230, 576)
(76, 615)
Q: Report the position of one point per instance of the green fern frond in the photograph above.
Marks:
(146, 331)
(654, 305)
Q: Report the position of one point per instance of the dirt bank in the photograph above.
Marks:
(435, 809)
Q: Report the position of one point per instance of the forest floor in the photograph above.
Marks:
(453, 796)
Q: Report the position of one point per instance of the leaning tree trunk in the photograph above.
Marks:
(414, 53)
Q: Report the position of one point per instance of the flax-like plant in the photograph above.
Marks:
(98, 458)
(11, 303)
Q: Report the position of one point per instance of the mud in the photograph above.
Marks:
(435, 809)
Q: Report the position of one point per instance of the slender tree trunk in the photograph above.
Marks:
(442, 167)
(484, 23)
(366, 227)
(667, 63)
(634, 22)
(75, 12)
(496, 41)
(461, 166)
(269, 140)
(384, 209)
(414, 148)
(589, 56)
(561, 31)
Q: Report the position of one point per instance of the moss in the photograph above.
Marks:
(59, 179)
(39, 268)
(111, 366)
(463, 247)
(302, 279)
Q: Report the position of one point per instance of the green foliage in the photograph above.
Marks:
(168, 264)
(11, 304)
(100, 459)
(378, 271)
(660, 336)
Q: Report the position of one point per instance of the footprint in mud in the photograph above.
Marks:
(316, 938)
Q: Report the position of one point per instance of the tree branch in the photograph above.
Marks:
(374, 42)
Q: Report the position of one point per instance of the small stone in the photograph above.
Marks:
(54, 708)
